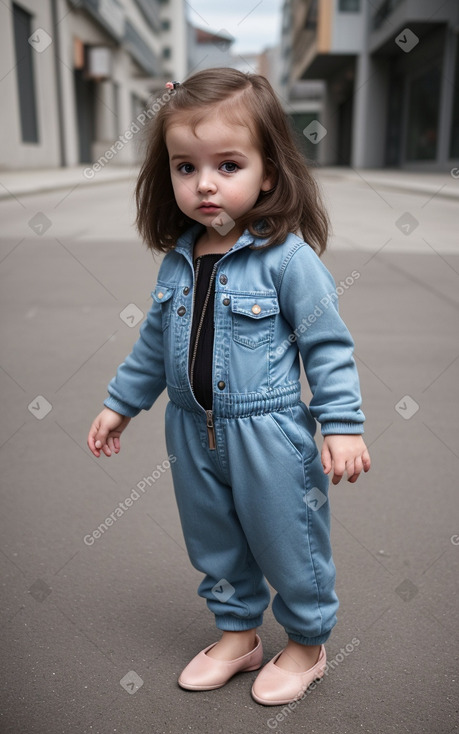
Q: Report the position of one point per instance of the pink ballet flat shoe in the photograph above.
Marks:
(275, 686)
(204, 673)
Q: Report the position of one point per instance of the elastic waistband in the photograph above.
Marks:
(238, 405)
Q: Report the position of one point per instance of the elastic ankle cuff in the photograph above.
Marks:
(229, 623)
(320, 640)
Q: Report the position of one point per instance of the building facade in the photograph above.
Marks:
(302, 99)
(78, 73)
(391, 74)
(208, 49)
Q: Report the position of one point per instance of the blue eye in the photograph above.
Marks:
(229, 167)
(186, 167)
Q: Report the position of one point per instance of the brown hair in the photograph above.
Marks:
(294, 204)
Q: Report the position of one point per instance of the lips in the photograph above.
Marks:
(208, 208)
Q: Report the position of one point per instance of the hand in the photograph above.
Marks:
(345, 452)
(104, 434)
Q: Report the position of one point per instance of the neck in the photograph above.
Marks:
(212, 241)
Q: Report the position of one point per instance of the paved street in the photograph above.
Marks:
(79, 617)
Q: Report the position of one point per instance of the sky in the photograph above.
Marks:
(255, 24)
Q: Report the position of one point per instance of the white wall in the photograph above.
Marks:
(348, 30)
(369, 113)
(78, 23)
(13, 152)
(176, 38)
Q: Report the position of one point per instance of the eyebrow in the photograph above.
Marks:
(223, 154)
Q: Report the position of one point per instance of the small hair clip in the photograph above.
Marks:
(172, 85)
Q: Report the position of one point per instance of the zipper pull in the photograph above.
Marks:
(211, 430)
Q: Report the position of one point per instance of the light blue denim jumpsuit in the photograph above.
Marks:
(248, 478)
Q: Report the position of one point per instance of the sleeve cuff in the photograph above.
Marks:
(341, 427)
(119, 407)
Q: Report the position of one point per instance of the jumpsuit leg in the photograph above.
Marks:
(281, 498)
(234, 586)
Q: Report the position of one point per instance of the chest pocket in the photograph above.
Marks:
(253, 319)
(163, 295)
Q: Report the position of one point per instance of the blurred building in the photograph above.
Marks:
(302, 99)
(391, 75)
(248, 63)
(208, 49)
(78, 73)
(213, 49)
(268, 65)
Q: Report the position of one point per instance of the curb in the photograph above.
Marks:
(397, 185)
(16, 191)
(423, 189)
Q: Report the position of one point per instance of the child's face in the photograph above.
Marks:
(215, 170)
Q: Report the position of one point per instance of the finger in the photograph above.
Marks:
(366, 461)
(100, 439)
(94, 451)
(339, 469)
(101, 444)
(110, 443)
(91, 442)
(338, 473)
(350, 468)
(106, 449)
(326, 459)
(353, 476)
(114, 444)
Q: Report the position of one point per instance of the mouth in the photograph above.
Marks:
(208, 208)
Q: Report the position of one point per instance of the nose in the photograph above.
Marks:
(206, 183)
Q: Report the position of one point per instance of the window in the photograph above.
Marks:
(166, 52)
(424, 103)
(349, 6)
(22, 22)
(165, 24)
(311, 18)
(383, 11)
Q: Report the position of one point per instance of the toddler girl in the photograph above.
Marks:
(241, 295)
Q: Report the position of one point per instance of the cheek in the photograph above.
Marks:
(181, 190)
(248, 187)
(242, 199)
(245, 195)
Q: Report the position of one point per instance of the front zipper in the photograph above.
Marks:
(209, 414)
(211, 430)
(198, 265)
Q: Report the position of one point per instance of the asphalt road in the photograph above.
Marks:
(95, 635)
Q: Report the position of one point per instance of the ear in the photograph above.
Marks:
(270, 179)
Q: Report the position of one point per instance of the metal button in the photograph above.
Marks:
(226, 301)
(186, 290)
(221, 385)
(181, 311)
(223, 279)
(160, 295)
(256, 308)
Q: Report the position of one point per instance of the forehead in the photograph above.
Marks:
(212, 129)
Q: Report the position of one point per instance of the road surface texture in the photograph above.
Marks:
(95, 632)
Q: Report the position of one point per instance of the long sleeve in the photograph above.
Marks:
(140, 379)
(309, 302)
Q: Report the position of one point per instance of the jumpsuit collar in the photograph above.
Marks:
(185, 242)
